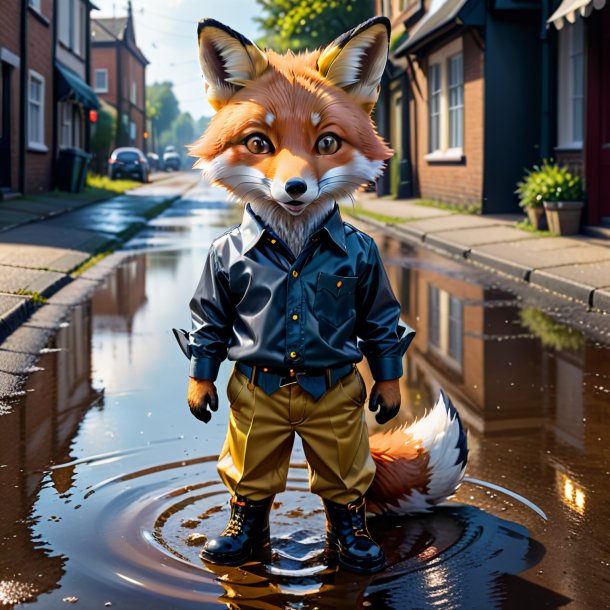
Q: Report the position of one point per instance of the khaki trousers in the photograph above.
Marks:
(255, 458)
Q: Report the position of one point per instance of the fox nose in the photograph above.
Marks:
(295, 187)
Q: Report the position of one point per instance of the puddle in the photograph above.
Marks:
(109, 485)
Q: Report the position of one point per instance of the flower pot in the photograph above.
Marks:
(563, 216)
(537, 218)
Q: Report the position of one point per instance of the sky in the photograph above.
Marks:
(166, 32)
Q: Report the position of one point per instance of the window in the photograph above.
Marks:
(134, 92)
(434, 103)
(456, 101)
(36, 112)
(571, 80)
(445, 325)
(72, 18)
(446, 104)
(101, 80)
(132, 131)
(35, 4)
(455, 329)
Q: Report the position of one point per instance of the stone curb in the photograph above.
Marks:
(591, 296)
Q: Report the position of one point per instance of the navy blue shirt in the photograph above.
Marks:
(258, 304)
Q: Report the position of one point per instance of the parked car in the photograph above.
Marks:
(128, 162)
(153, 161)
(171, 159)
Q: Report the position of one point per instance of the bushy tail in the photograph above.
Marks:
(418, 465)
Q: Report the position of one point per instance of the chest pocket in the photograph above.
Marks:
(335, 302)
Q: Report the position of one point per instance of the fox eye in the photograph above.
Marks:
(258, 144)
(328, 144)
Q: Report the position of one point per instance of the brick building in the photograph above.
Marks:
(476, 91)
(44, 95)
(118, 71)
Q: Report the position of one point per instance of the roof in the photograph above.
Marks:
(108, 29)
(441, 15)
(116, 29)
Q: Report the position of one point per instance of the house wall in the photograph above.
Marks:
(131, 70)
(40, 59)
(451, 182)
(135, 72)
(105, 58)
(10, 40)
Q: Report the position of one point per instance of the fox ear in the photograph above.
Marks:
(355, 61)
(228, 60)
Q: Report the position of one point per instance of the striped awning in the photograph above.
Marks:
(570, 10)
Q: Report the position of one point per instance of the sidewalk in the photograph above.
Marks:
(576, 267)
(56, 237)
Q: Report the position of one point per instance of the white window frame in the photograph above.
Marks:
(37, 145)
(99, 72)
(446, 326)
(571, 87)
(455, 101)
(443, 151)
(435, 91)
(72, 25)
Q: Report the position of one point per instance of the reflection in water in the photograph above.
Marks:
(36, 434)
(109, 494)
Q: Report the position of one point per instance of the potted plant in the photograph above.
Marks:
(563, 201)
(531, 192)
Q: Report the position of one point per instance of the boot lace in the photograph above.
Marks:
(356, 511)
(238, 513)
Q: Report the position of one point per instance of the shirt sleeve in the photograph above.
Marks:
(212, 320)
(384, 338)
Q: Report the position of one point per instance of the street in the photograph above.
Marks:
(109, 484)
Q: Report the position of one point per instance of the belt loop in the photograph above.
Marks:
(252, 378)
(328, 379)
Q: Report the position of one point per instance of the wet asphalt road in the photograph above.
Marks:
(109, 484)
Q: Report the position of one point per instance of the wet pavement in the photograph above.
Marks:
(109, 484)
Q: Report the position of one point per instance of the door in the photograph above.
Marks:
(598, 117)
(5, 125)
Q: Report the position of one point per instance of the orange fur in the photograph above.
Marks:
(291, 89)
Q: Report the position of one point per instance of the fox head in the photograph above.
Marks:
(292, 133)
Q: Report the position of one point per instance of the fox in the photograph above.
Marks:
(293, 136)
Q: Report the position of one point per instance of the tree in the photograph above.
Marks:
(308, 24)
(161, 105)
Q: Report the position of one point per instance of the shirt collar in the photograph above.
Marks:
(252, 229)
(334, 227)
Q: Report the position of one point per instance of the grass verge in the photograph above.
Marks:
(361, 213)
(455, 208)
(96, 182)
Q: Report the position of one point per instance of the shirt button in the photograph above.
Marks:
(295, 273)
(339, 284)
(295, 317)
(293, 355)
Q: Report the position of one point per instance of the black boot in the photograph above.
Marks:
(248, 530)
(346, 533)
